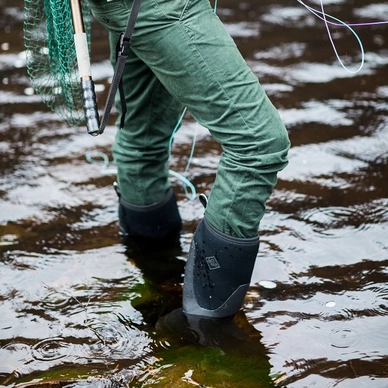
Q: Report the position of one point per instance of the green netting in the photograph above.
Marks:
(51, 56)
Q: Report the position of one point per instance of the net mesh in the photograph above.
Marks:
(51, 56)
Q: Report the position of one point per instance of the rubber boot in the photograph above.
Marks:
(218, 272)
(159, 223)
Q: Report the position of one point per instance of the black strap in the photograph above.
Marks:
(121, 55)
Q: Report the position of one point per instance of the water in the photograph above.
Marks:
(78, 309)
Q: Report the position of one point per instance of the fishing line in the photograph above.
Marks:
(183, 177)
(363, 24)
(334, 46)
(100, 158)
(324, 17)
(341, 23)
(92, 157)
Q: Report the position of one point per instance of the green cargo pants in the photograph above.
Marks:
(183, 56)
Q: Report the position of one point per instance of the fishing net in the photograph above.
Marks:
(51, 55)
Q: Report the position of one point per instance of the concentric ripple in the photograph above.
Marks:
(334, 222)
(55, 300)
(340, 221)
(343, 338)
(51, 349)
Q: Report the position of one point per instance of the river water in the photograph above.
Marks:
(79, 309)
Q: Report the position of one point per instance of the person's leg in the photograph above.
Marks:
(190, 52)
(147, 205)
(187, 47)
(141, 148)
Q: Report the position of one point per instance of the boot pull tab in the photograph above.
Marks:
(203, 199)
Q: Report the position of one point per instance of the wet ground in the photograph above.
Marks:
(78, 309)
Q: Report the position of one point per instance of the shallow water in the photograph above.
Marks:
(78, 309)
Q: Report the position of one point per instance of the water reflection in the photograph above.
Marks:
(80, 309)
(214, 352)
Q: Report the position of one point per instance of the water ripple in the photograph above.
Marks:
(51, 349)
(14, 355)
(343, 338)
(55, 300)
(372, 302)
(337, 221)
(369, 301)
(116, 339)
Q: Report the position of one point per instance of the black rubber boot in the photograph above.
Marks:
(218, 272)
(159, 223)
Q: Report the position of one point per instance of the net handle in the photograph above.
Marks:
(83, 60)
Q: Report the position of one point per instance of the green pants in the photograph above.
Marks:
(182, 56)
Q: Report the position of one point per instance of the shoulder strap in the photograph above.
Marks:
(121, 55)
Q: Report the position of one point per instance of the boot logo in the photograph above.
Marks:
(212, 263)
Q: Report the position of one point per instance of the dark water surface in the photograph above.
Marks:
(76, 307)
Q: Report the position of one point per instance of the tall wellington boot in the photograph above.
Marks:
(159, 223)
(218, 272)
